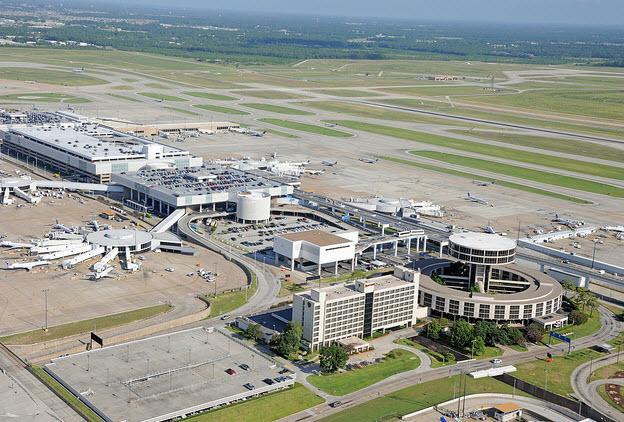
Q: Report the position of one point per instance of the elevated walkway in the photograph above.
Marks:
(169, 221)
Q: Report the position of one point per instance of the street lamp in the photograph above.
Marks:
(45, 292)
(594, 254)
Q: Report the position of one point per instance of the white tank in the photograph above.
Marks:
(253, 206)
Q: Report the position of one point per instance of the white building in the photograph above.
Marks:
(316, 246)
(333, 313)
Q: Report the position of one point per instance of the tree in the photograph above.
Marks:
(333, 357)
(577, 317)
(535, 332)
(515, 336)
(450, 357)
(253, 332)
(592, 303)
(288, 342)
(488, 331)
(438, 279)
(568, 286)
(478, 346)
(461, 334)
(434, 328)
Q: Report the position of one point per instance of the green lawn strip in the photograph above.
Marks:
(209, 96)
(347, 93)
(367, 111)
(498, 182)
(545, 160)
(443, 90)
(602, 392)
(282, 134)
(556, 373)
(606, 371)
(163, 97)
(219, 109)
(506, 117)
(418, 397)
(319, 130)
(125, 98)
(81, 408)
(355, 275)
(183, 111)
(157, 85)
(575, 332)
(44, 97)
(79, 327)
(270, 95)
(568, 146)
(342, 383)
(277, 109)
(227, 302)
(437, 359)
(121, 87)
(49, 76)
(266, 408)
(524, 173)
(518, 348)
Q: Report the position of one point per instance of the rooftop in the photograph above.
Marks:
(316, 237)
(482, 241)
(507, 407)
(342, 291)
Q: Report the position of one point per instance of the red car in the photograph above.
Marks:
(230, 371)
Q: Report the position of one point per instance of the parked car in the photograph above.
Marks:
(225, 317)
(230, 371)
(249, 386)
(335, 404)
(244, 367)
(268, 381)
(496, 361)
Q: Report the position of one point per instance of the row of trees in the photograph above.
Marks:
(580, 297)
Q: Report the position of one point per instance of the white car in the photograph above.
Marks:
(496, 361)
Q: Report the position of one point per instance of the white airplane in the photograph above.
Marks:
(329, 163)
(369, 160)
(15, 245)
(478, 200)
(573, 224)
(25, 265)
(489, 229)
(482, 183)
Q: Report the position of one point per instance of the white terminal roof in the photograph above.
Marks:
(93, 143)
(119, 238)
(482, 241)
(316, 237)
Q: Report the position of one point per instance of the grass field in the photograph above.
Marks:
(575, 332)
(68, 397)
(442, 90)
(183, 111)
(524, 173)
(277, 109)
(227, 302)
(437, 359)
(219, 109)
(499, 182)
(266, 408)
(282, 134)
(44, 97)
(417, 397)
(567, 146)
(555, 376)
(606, 371)
(602, 391)
(162, 97)
(339, 384)
(84, 326)
(157, 85)
(209, 96)
(270, 95)
(121, 87)
(349, 93)
(545, 160)
(48, 76)
(125, 98)
(319, 130)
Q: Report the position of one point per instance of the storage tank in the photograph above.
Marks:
(253, 206)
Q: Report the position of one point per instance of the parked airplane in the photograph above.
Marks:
(573, 224)
(369, 160)
(478, 200)
(489, 229)
(329, 163)
(25, 265)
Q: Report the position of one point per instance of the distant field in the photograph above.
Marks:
(209, 96)
(270, 95)
(282, 134)
(585, 81)
(219, 109)
(47, 76)
(499, 182)
(277, 109)
(443, 90)
(183, 111)
(567, 164)
(157, 85)
(163, 97)
(121, 87)
(125, 97)
(44, 97)
(347, 93)
(524, 173)
(568, 146)
(319, 130)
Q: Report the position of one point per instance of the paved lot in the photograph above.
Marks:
(152, 377)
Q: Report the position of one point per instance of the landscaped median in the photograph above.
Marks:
(339, 384)
(219, 109)
(227, 302)
(304, 127)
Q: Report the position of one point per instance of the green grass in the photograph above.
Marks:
(44, 97)
(575, 332)
(157, 85)
(319, 130)
(270, 95)
(349, 93)
(524, 173)
(437, 359)
(545, 160)
(602, 391)
(84, 326)
(48, 76)
(339, 384)
(557, 373)
(568, 146)
(417, 397)
(219, 109)
(163, 97)
(209, 96)
(121, 87)
(442, 90)
(277, 109)
(355, 275)
(282, 134)
(498, 182)
(73, 401)
(606, 371)
(227, 302)
(183, 111)
(125, 98)
(265, 408)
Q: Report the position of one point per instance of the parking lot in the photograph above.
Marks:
(169, 375)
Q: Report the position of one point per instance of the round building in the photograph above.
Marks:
(253, 207)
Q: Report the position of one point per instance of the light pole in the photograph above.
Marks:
(45, 326)
(594, 254)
